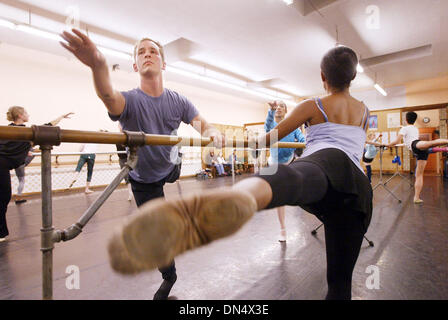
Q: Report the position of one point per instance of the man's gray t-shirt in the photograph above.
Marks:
(154, 115)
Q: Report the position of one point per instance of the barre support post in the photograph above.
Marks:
(47, 243)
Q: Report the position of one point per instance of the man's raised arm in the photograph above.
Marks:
(86, 52)
(396, 141)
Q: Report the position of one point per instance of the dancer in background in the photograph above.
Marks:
(370, 152)
(277, 113)
(12, 156)
(89, 157)
(410, 136)
(20, 119)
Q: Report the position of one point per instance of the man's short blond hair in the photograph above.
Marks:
(149, 39)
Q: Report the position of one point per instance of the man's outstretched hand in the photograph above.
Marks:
(82, 48)
(273, 105)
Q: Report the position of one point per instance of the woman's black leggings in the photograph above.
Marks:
(5, 194)
(303, 183)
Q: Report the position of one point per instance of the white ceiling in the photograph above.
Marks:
(266, 39)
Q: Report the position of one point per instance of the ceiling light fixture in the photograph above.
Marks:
(380, 90)
(115, 53)
(37, 32)
(359, 68)
(288, 2)
(223, 84)
(56, 37)
(7, 24)
(377, 87)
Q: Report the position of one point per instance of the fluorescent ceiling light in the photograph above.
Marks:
(38, 32)
(7, 24)
(288, 2)
(381, 90)
(109, 43)
(115, 53)
(359, 68)
(56, 37)
(273, 93)
(287, 88)
(222, 83)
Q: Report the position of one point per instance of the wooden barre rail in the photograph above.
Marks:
(38, 154)
(77, 136)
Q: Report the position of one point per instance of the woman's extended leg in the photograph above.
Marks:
(424, 145)
(166, 228)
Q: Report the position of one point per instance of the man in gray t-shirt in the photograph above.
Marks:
(150, 108)
(158, 115)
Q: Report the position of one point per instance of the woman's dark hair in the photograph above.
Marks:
(411, 117)
(339, 67)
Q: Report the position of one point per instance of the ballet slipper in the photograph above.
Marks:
(282, 237)
(164, 229)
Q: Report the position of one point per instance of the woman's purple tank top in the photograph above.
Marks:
(348, 138)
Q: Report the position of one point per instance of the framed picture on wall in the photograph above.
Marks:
(373, 122)
(393, 120)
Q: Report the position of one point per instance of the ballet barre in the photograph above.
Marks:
(38, 154)
(54, 136)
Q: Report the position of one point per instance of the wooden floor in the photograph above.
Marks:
(410, 252)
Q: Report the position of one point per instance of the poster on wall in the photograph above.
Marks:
(373, 122)
(393, 120)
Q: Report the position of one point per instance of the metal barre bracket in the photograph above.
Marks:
(134, 138)
(46, 135)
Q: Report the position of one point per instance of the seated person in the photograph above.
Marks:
(212, 160)
(237, 164)
(227, 166)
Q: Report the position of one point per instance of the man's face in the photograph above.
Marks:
(148, 59)
(281, 110)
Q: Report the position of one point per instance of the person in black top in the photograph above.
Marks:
(13, 155)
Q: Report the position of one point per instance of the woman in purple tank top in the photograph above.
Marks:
(327, 181)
